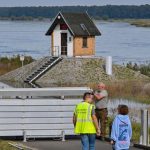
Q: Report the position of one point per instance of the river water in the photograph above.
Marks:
(120, 40)
(134, 108)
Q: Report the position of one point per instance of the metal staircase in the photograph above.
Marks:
(42, 69)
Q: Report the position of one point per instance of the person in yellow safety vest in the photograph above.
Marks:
(85, 122)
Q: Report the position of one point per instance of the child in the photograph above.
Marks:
(121, 129)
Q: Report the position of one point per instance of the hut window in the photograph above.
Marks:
(84, 44)
(63, 27)
(69, 39)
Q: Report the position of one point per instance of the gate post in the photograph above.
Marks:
(144, 139)
(24, 136)
(63, 136)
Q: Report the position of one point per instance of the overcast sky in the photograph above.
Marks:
(12, 3)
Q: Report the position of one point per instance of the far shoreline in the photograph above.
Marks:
(135, 22)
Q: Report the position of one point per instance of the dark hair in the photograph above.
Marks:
(85, 94)
(123, 109)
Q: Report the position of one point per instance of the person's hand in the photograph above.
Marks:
(111, 142)
(98, 132)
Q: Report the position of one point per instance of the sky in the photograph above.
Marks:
(12, 3)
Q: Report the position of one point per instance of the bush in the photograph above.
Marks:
(143, 68)
(12, 63)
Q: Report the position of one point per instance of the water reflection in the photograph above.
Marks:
(134, 108)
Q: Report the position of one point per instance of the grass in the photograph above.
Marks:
(8, 64)
(141, 23)
(142, 68)
(135, 22)
(128, 89)
(132, 90)
(5, 146)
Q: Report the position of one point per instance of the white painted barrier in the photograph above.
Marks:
(38, 117)
(62, 91)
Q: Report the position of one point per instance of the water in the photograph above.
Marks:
(134, 108)
(120, 40)
(24, 37)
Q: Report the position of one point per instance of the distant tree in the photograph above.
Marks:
(108, 11)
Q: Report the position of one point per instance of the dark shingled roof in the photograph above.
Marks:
(79, 24)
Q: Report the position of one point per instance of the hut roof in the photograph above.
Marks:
(79, 24)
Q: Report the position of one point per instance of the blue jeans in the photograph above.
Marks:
(88, 141)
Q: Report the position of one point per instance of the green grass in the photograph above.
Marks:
(141, 23)
(8, 64)
(5, 146)
(128, 89)
(135, 22)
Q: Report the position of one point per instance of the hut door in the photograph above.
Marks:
(63, 43)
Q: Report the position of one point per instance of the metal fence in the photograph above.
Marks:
(37, 116)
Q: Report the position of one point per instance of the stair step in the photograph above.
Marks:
(40, 70)
(47, 64)
(36, 72)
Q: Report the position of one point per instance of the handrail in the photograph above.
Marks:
(45, 69)
(59, 50)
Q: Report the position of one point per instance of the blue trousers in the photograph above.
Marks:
(88, 141)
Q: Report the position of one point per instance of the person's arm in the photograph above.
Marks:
(74, 119)
(130, 130)
(96, 124)
(114, 131)
(99, 96)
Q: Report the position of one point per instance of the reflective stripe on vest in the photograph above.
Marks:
(84, 122)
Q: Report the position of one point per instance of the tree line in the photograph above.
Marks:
(96, 12)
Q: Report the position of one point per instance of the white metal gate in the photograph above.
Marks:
(37, 116)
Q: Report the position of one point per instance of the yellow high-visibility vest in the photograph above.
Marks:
(84, 122)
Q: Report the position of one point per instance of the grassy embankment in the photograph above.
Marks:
(8, 64)
(135, 22)
(132, 90)
(5, 146)
(141, 22)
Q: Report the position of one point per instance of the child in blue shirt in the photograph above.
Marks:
(121, 129)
